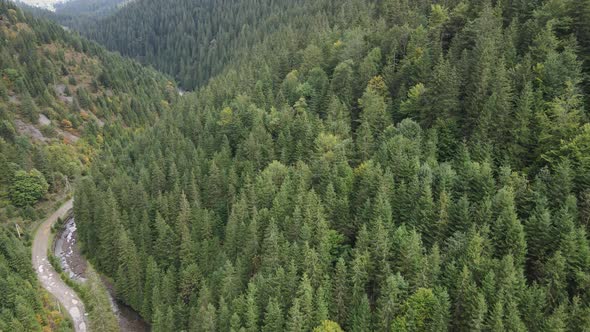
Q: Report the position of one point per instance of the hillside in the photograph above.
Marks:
(386, 165)
(24, 306)
(76, 14)
(194, 40)
(60, 95)
(92, 8)
(61, 98)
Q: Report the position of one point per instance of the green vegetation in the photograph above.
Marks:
(96, 299)
(92, 291)
(358, 165)
(60, 96)
(328, 326)
(76, 14)
(23, 305)
(86, 9)
(386, 165)
(27, 188)
(194, 40)
(94, 295)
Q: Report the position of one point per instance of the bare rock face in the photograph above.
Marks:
(29, 130)
(60, 90)
(43, 120)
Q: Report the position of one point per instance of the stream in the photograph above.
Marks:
(74, 265)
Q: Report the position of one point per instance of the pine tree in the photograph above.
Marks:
(508, 232)
(109, 225)
(495, 320)
(425, 214)
(224, 317)
(151, 280)
(29, 109)
(539, 230)
(319, 83)
(209, 319)
(443, 92)
(129, 272)
(360, 315)
(470, 306)
(339, 292)
(341, 83)
(273, 317)
(164, 244)
(389, 304)
(557, 320)
(374, 111)
(321, 303)
(579, 315)
(365, 143)
(252, 314)
(420, 307)
(513, 321)
(408, 255)
(414, 104)
(295, 320)
(169, 320)
(270, 249)
(305, 299)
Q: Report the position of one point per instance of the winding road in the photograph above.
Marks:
(50, 279)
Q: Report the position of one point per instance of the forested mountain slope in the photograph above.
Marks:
(77, 14)
(22, 308)
(94, 8)
(193, 40)
(61, 97)
(390, 166)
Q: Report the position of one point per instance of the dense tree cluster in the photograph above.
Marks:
(78, 87)
(91, 8)
(386, 165)
(194, 40)
(21, 307)
(28, 188)
(60, 96)
(76, 14)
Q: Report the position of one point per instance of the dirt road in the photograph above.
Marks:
(50, 279)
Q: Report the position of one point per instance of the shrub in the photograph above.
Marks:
(27, 188)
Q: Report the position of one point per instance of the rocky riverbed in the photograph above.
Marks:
(74, 265)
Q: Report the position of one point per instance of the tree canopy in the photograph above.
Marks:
(385, 165)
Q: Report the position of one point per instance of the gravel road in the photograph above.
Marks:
(50, 279)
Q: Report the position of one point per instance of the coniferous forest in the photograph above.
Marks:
(193, 40)
(61, 97)
(356, 165)
(76, 14)
(386, 165)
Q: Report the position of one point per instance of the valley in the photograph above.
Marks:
(278, 165)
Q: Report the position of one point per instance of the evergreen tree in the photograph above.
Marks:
(451, 219)
(273, 317)
(507, 229)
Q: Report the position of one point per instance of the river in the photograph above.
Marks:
(74, 265)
